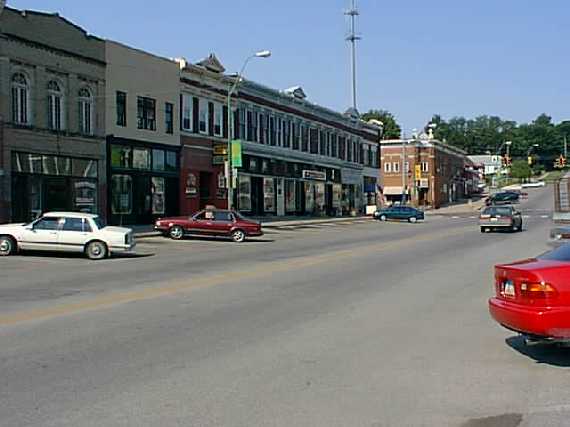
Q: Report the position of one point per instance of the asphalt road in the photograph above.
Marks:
(364, 324)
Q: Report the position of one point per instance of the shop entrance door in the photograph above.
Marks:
(205, 186)
(142, 199)
(329, 199)
(256, 196)
(57, 195)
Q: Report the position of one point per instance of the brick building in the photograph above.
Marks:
(431, 174)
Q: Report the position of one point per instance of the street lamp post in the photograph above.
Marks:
(260, 54)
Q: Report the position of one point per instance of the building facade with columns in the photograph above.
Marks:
(52, 121)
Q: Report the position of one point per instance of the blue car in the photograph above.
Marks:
(401, 213)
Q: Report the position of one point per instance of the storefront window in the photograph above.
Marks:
(35, 196)
(171, 164)
(49, 166)
(158, 196)
(309, 197)
(85, 168)
(290, 196)
(141, 158)
(63, 165)
(244, 193)
(121, 156)
(158, 160)
(35, 162)
(268, 194)
(337, 196)
(320, 197)
(85, 196)
(121, 194)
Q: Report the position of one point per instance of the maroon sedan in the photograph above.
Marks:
(209, 223)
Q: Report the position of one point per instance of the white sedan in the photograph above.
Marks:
(66, 232)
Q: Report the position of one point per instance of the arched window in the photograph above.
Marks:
(86, 112)
(20, 99)
(55, 106)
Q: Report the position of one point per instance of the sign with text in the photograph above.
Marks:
(219, 160)
(418, 172)
(316, 175)
(220, 149)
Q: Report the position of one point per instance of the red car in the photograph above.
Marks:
(209, 223)
(532, 297)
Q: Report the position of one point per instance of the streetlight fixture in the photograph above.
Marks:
(260, 54)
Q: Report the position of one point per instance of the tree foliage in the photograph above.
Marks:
(392, 129)
(521, 170)
(487, 135)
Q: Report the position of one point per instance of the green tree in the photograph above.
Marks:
(392, 129)
(520, 169)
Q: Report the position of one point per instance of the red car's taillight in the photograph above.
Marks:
(540, 290)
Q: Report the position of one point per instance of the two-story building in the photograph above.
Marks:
(301, 158)
(52, 122)
(424, 171)
(142, 135)
(298, 158)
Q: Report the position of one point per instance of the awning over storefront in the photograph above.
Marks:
(392, 191)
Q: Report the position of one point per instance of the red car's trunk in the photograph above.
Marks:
(534, 282)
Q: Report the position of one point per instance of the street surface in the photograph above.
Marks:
(349, 324)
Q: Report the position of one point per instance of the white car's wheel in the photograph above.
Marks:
(176, 232)
(96, 250)
(238, 236)
(383, 218)
(8, 246)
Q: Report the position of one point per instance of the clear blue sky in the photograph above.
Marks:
(417, 57)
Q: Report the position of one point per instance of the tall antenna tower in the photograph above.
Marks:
(352, 38)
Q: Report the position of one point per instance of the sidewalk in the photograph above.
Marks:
(464, 207)
(141, 231)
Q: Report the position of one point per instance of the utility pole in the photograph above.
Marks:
(565, 147)
(352, 38)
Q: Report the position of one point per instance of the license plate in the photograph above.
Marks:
(509, 289)
(494, 219)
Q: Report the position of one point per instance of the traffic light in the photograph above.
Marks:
(530, 160)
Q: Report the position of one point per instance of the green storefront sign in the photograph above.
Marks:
(236, 154)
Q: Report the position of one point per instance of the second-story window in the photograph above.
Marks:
(263, 128)
(295, 135)
(218, 119)
(425, 166)
(286, 133)
(304, 138)
(387, 167)
(314, 141)
(323, 143)
(146, 113)
(55, 106)
(252, 126)
(342, 148)
(242, 124)
(169, 117)
(85, 111)
(334, 145)
(349, 151)
(370, 159)
(396, 167)
(272, 131)
(121, 101)
(20, 99)
(187, 102)
(203, 116)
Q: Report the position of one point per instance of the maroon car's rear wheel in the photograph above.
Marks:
(176, 232)
(238, 236)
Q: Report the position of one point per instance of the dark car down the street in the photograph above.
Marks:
(222, 223)
(402, 213)
(532, 297)
(504, 198)
(500, 217)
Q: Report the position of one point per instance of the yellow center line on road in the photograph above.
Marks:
(262, 269)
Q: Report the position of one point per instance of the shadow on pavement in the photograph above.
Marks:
(550, 354)
(77, 255)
